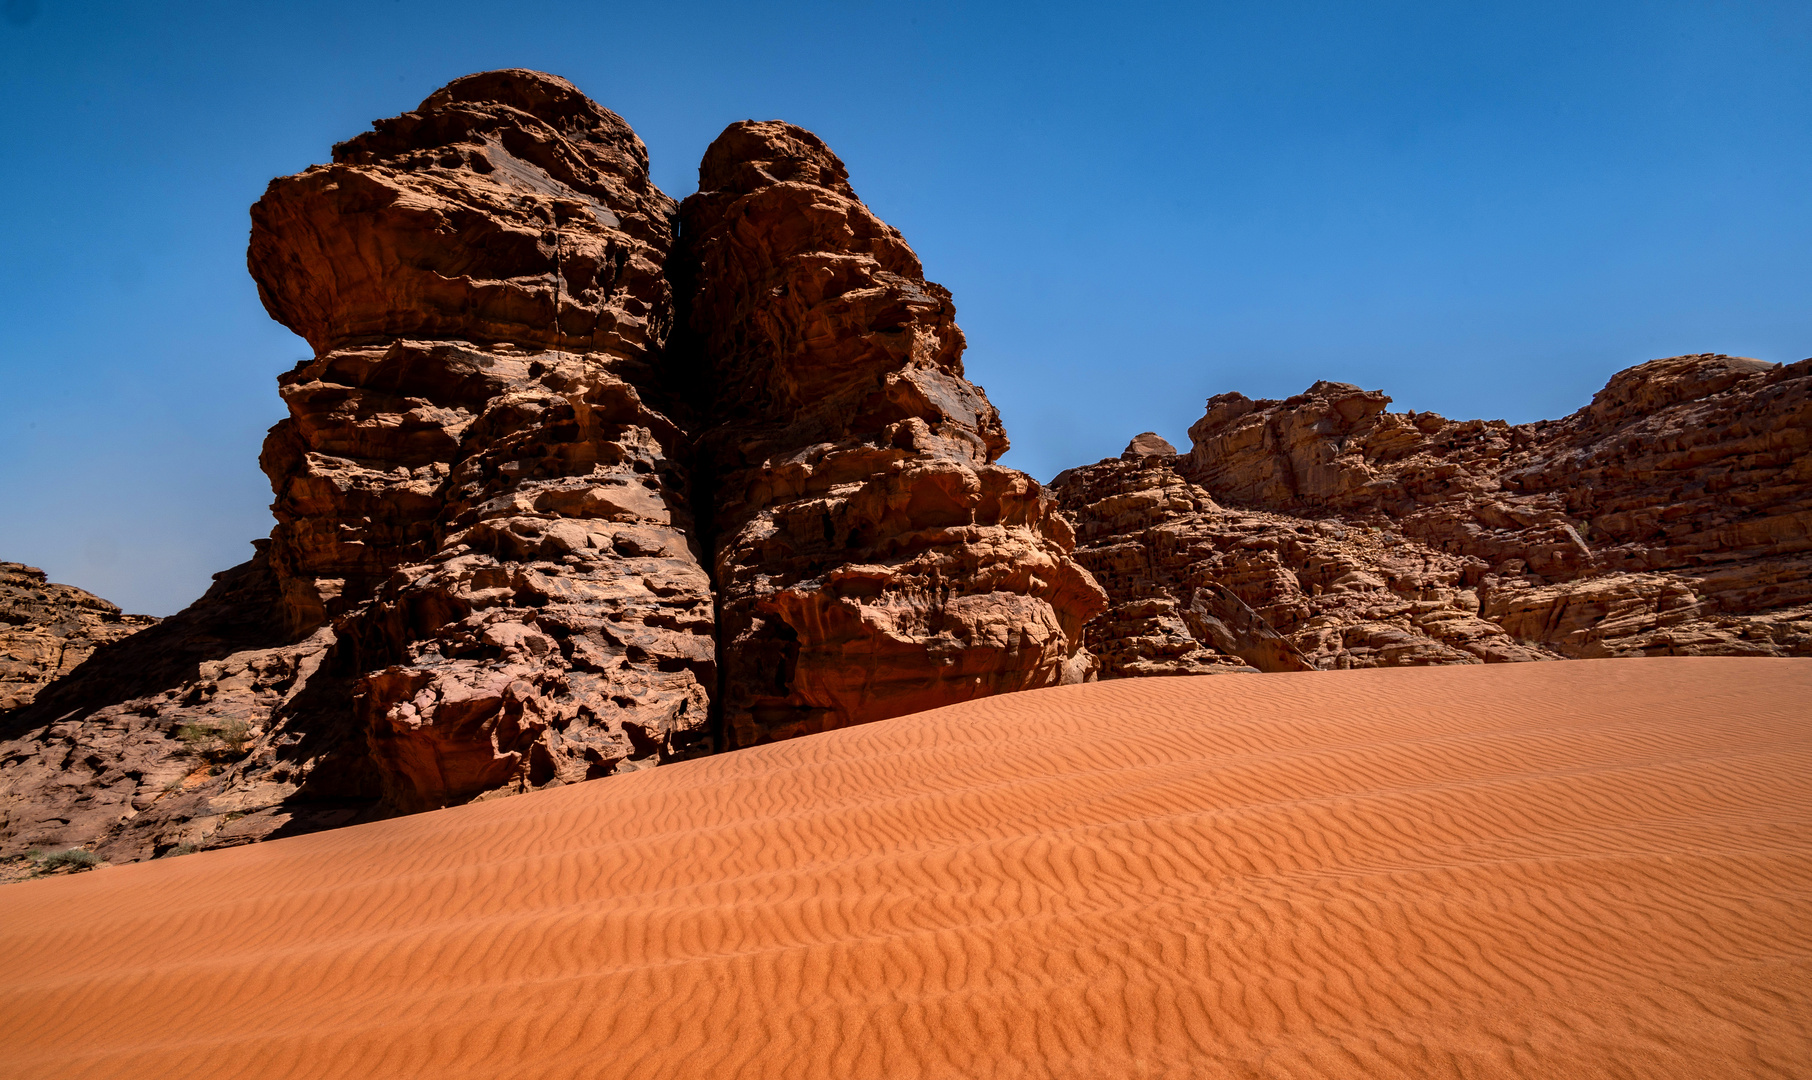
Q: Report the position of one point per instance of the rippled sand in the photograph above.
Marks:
(1585, 869)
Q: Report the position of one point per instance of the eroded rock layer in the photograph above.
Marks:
(872, 559)
(1673, 515)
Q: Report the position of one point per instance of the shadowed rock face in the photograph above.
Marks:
(1672, 515)
(871, 558)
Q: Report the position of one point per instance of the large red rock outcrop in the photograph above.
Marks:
(1673, 515)
(48, 629)
(482, 577)
(871, 558)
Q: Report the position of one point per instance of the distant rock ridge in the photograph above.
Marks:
(526, 534)
(47, 630)
(1671, 516)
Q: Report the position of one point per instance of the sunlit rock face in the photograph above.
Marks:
(871, 558)
(47, 629)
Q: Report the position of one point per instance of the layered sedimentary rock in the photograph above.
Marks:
(1199, 589)
(47, 629)
(1673, 515)
(871, 558)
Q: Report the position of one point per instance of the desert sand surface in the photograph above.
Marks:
(1584, 869)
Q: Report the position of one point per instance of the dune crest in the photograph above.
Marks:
(1601, 868)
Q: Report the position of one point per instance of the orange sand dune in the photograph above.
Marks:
(1588, 869)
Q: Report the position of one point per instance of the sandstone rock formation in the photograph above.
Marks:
(1673, 515)
(499, 486)
(1200, 589)
(46, 630)
(871, 558)
(149, 745)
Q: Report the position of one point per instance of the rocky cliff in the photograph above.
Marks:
(528, 536)
(1672, 515)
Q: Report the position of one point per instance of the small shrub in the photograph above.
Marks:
(180, 850)
(233, 736)
(73, 859)
(196, 735)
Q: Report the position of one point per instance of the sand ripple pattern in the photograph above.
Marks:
(1590, 869)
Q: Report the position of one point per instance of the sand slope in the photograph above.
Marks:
(1590, 869)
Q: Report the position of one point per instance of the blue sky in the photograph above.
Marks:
(1484, 209)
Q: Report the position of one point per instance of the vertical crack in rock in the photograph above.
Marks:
(871, 559)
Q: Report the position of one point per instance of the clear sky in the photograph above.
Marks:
(1485, 209)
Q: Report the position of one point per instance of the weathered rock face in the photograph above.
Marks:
(871, 558)
(47, 629)
(158, 740)
(507, 207)
(1672, 515)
